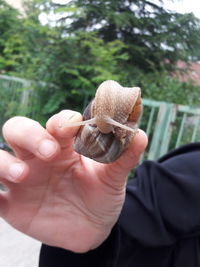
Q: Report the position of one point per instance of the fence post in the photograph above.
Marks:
(167, 131)
(162, 131)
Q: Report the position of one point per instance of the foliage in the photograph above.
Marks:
(72, 68)
(163, 87)
(151, 33)
(11, 44)
(128, 41)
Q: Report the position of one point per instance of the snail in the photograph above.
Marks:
(109, 122)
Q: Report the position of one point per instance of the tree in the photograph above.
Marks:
(151, 33)
(133, 42)
(70, 66)
(11, 45)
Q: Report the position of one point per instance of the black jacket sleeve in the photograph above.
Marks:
(162, 206)
(163, 202)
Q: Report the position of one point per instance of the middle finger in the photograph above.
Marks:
(28, 138)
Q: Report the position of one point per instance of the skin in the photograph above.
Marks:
(58, 196)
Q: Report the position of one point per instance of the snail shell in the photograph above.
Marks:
(109, 122)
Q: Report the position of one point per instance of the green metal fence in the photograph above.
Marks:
(14, 95)
(167, 125)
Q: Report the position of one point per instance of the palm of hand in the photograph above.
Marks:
(61, 201)
(66, 200)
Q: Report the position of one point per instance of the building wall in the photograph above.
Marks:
(16, 4)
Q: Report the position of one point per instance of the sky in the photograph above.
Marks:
(15, 3)
(182, 6)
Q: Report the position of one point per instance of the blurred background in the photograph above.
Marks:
(55, 53)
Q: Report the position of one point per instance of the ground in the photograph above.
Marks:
(17, 249)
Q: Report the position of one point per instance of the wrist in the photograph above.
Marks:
(91, 242)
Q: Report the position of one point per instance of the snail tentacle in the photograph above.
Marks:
(93, 121)
(118, 124)
(78, 123)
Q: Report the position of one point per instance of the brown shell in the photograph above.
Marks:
(136, 111)
(107, 147)
(116, 102)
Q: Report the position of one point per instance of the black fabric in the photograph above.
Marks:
(160, 221)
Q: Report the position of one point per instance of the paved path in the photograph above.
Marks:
(17, 249)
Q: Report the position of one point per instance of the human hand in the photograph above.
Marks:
(56, 195)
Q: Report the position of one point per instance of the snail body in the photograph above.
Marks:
(109, 122)
(94, 144)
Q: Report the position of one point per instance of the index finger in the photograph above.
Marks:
(56, 126)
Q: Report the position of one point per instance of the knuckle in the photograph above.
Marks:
(12, 122)
(3, 154)
(17, 124)
(9, 123)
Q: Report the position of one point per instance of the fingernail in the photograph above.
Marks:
(16, 170)
(47, 148)
(66, 117)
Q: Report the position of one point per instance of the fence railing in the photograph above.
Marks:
(167, 125)
(14, 95)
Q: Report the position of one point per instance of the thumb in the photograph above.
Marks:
(119, 170)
